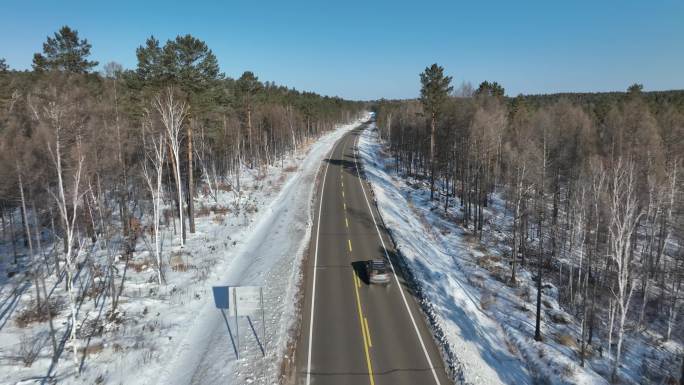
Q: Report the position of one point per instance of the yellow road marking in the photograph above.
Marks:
(345, 206)
(342, 193)
(349, 241)
(346, 221)
(365, 321)
(363, 331)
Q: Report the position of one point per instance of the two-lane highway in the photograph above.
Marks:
(353, 332)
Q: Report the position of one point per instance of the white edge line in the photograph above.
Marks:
(408, 310)
(313, 289)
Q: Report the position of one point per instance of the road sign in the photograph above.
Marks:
(221, 296)
(246, 299)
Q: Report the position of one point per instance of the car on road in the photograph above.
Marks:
(377, 271)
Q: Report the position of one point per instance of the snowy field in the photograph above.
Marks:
(173, 334)
(484, 324)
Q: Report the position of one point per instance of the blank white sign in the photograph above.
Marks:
(248, 300)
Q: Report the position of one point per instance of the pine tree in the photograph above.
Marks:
(434, 92)
(247, 86)
(3, 66)
(492, 89)
(64, 52)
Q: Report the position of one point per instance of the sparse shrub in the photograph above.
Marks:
(526, 293)
(567, 371)
(29, 348)
(487, 300)
(559, 317)
(37, 314)
(290, 168)
(177, 262)
(219, 219)
(250, 208)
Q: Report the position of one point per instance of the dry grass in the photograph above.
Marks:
(290, 168)
(476, 280)
(511, 347)
(34, 314)
(219, 219)
(566, 340)
(202, 211)
(221, 209)
(91, 349)
(177, 261)
(558, 317)
(139, 266)
(488, 262)
(225, 187)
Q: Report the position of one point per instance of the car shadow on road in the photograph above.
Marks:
(361, 271)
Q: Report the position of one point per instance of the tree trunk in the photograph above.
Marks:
(191, 183)
(432, 156)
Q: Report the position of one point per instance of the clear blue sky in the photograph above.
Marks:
(372, 49)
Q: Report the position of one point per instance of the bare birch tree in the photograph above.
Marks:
(153, 172)
(624, 216)
(173, 113)
(67, 204)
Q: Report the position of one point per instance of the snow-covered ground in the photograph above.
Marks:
(173, 334)
(486, 325)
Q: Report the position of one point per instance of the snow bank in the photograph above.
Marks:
(477, 343)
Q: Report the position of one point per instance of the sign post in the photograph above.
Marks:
(237, 330)
(263, 319)
(247, 301)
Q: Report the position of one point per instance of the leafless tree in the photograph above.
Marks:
(173, 112)
(624, 216)
(153, 172)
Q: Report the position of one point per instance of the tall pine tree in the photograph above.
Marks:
(434, 92)
(64, 52)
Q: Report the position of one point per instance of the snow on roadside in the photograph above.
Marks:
(483, 324)
(173, 334)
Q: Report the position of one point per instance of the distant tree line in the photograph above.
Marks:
(91, 157)
(592, 182)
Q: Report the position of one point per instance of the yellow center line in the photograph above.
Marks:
(346, 222)
(344, 205)
(349, 242)
(363, 331)
(365, 322)
(342, 193)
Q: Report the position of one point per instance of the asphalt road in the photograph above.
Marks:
(357, 333)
